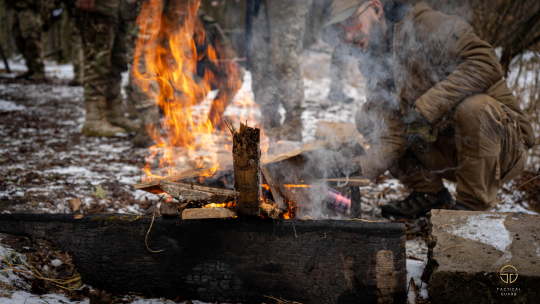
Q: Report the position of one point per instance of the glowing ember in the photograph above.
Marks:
(289, 186)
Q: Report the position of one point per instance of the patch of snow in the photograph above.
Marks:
(56, 262)
(10, 106)
(414, 271)
(488, 229)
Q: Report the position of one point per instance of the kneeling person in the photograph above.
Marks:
(437, 105)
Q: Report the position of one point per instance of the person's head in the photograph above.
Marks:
(359, 23)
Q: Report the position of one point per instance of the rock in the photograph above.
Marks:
(476, 257)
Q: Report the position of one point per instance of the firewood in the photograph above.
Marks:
(273, 184)
(169, 209)
(207, 213)
(293, 161)
(187, 194)
(219, 191)
(246, 166)
(270, 211)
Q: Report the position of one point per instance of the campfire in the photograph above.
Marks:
(191, 159)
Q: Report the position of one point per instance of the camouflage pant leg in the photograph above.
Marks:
(288, 24)
(27, 30)
(338, 67)
(283, 78)
(263, 72)
(77, 55)
(102, 57)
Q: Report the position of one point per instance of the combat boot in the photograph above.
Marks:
(37, 76)
(418, 204)
(95, 123)
(115, 115)
(149, 118)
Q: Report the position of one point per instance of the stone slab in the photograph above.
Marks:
(468, 252)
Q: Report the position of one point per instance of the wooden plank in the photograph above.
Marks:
(207, 213)
(233, 261)
(247, 170)
(273, 184)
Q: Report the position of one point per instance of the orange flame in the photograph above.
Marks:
(165, 68)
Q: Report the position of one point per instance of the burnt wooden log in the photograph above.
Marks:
(235, 260)
(247, 169)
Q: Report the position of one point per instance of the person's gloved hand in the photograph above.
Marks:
(419, 130)
(87, 5)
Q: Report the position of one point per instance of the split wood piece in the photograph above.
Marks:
(218, 191)
(236, 260)
(270, 211)
(273, 184)
(207, 213)
(247, 169)
(153, 185)
(188, 194)
(169, 209)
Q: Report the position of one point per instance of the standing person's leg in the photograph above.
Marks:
(28, 41)
(77, 56)
(338, 66)
(142, 100)
(288, 25)
(263, 72)
(115, 114)
(99, 38)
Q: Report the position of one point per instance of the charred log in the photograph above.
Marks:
(232, 260)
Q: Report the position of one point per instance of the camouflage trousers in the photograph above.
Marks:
(26, 28)
(104, 55)
(278, 32)
(76, 48)
(142, 100)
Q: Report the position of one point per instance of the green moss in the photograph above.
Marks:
(99, 192)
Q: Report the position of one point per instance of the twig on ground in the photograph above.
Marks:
(146, 237)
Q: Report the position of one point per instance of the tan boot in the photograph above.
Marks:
(116, 117)
(37, 76)
(95, 123)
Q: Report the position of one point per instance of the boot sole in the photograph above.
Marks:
(420, 213)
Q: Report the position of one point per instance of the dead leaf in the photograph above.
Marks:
(75, 204)
(78, 216)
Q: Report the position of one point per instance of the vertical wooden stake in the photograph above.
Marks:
(247, 169)
(356, 202)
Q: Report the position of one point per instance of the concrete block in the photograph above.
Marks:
(483, 257)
